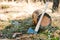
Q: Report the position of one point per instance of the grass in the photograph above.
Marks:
(22, 27)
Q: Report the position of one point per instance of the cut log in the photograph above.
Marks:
(46, 20)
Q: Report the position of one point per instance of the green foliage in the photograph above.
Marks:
(17, 26)
(22, 27)
(55, 38)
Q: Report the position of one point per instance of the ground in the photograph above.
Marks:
(22, 11)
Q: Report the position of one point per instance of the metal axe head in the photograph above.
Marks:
(31, 31)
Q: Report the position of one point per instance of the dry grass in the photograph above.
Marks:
(21, 12)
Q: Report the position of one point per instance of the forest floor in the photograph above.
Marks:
(21, 11)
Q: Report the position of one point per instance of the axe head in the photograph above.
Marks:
(31, 31)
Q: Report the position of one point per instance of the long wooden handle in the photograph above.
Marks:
(40, 19)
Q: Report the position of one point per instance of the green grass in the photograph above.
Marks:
(22, 27)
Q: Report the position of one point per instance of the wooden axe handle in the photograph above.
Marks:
(40, 19)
